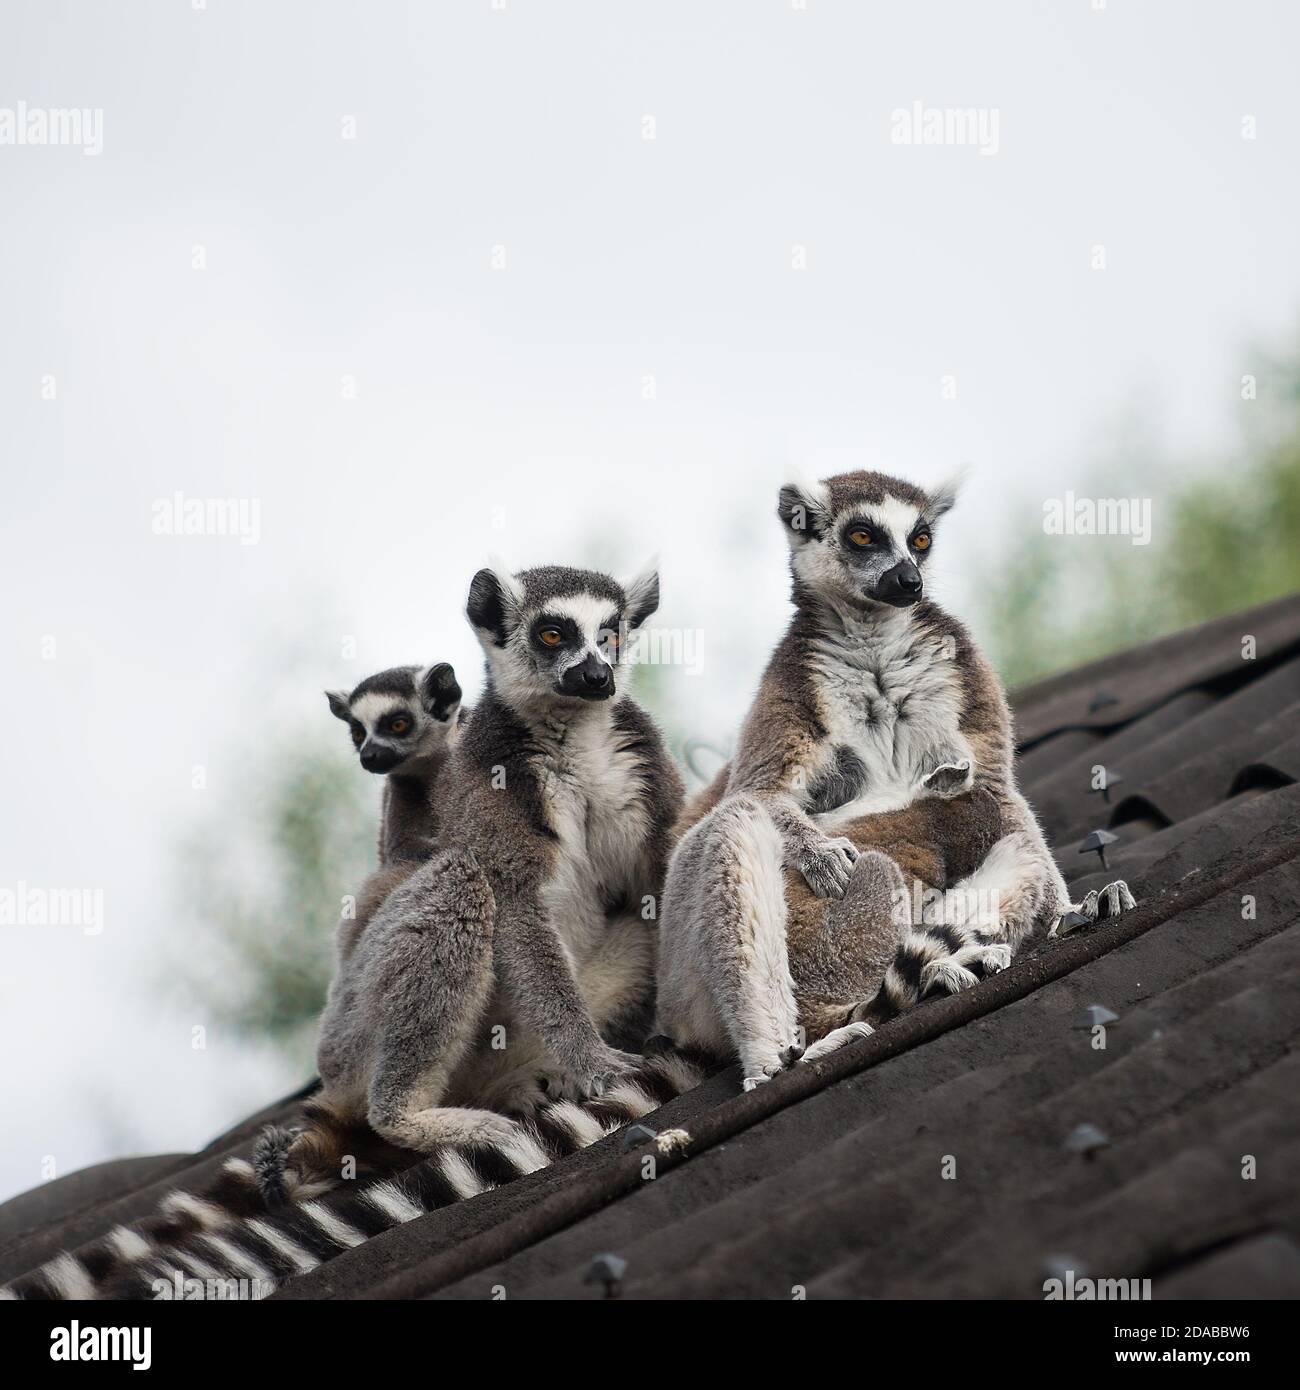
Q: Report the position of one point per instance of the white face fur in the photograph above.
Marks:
(566, 647)
(399, 730)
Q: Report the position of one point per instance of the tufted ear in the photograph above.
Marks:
(493, 606)
(642, 595)
(339, 704)
(804, 509)
(439, 691)
(944, 497)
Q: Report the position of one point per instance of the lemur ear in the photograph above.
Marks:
(642, 595)
(493, 603)
(804, 508)
(944, 497)
(439, 691)
(339, 704)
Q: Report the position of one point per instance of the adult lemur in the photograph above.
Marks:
(484, 982)
(531, 926)
(878, 726)
(403, 722)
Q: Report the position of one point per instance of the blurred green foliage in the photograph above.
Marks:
(269, 894)
(1225, 536)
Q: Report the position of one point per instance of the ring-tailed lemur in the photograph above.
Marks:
(484, 983)
(544, 938)
(226, 1233)
(403, 722)
(878, 725)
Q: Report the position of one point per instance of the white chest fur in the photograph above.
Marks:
(591, 790)
(893, 698)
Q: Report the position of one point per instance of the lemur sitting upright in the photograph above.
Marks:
(531, 925)
(878, 725)
(484, 981)
(403, 722)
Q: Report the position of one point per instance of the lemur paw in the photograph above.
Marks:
(827, 865)
(950, 779)
(607, 1073)
(836, 1039)
(964, 968)
(760, 1071)
(1098, 906)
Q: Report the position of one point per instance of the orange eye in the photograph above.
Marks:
(551, 636)
(399, 726)
(921, 542)
(860, 537)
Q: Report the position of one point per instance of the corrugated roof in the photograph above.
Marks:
(935, 1159)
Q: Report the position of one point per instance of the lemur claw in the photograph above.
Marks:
(1097, 906)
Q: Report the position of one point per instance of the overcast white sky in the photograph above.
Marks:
(504, 410)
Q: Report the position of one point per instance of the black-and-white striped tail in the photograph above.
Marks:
(226, 1243)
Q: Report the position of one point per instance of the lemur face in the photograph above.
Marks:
(556, 633)
(399, 718)
(862, 538)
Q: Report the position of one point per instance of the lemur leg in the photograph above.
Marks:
(617, 985)
(426, 984)
(840, 952)
(725, 969)
(975, 927)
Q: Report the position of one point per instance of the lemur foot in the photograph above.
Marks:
(964, 968)
(836, 1039)
(828, 864)
(1097, 906)
(608, 1072)
(760, 1071)
(950, 779)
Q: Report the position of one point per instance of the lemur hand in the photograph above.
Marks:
(589, 1082)
(950, 778)
(827, 864)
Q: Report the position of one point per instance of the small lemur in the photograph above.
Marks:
(403, 722)
(484, 982)
(880, 736)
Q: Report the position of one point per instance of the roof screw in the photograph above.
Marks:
(1096, 844)
(607, 1270)
(1086, 1140)
(636, 1135)
(1100, 700)
(1071, 921)
(1109, 779)
(1095, 1016)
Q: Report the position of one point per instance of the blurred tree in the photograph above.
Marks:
(1225, 536)
(269, 892)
